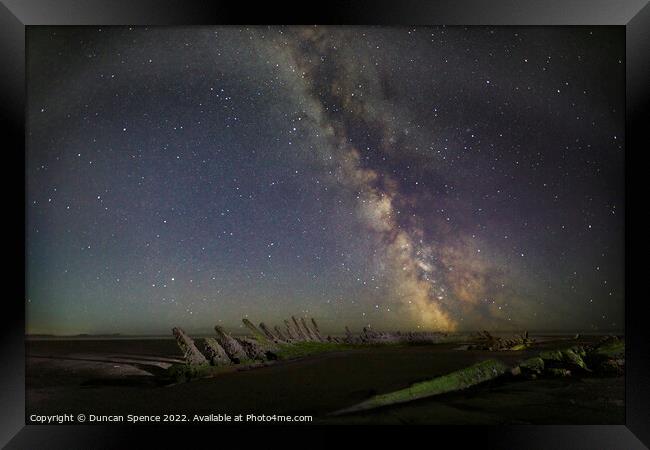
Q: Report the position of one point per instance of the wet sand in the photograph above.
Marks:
(119, 376)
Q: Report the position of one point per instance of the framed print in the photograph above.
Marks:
(372, 216)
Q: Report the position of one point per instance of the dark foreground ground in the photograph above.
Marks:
(118, 376)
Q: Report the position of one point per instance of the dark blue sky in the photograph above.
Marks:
(440, 178)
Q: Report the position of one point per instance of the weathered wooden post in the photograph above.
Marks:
(281, 335)
(257, 334)
(290, 333)
(316, 330)
(253, 349)
(269, 335)
(306, 329)
(349, 337)
(216, 353)
(233, 348)
(301, 334)
(192, 354)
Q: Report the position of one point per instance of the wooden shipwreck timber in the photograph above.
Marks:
(264, 344)
(492, 343)
(302, 337)
(605, 358)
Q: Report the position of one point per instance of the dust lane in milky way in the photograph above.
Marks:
(440, 178)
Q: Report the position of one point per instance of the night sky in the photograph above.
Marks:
(441, 178)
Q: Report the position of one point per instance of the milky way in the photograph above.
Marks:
(441, 178)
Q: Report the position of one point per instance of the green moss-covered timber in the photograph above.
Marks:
(460, 379)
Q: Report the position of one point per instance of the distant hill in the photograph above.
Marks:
(81, 335)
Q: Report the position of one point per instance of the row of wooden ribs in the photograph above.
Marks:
(225, 349)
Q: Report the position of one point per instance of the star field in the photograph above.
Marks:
(442, 178)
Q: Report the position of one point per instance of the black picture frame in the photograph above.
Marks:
(16, 15)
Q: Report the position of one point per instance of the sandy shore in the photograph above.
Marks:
(120, 376)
